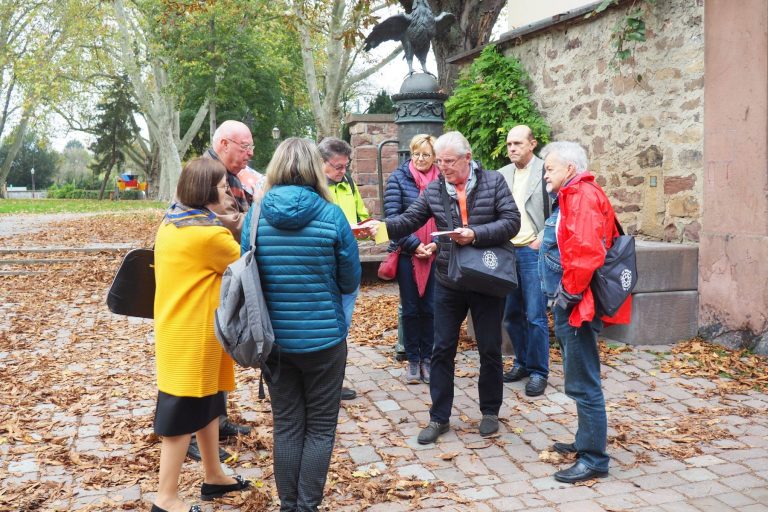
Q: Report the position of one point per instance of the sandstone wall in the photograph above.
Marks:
(642, 124)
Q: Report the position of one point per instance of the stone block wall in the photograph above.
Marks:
(367, 131)
(642, 125)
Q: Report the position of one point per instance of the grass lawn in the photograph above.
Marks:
(75, 205)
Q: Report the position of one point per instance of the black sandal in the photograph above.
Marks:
(209, 492)
(193, 508)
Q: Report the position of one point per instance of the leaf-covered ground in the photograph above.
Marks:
(77, 397)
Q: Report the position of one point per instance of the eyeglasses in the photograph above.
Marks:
(445, 162)
(243, 145)
(225, 186)
(339, 167)
(425, 156)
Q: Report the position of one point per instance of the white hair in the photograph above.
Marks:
(568, 152)
(454, 141)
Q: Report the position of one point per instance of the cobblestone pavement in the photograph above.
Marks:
(676, 444)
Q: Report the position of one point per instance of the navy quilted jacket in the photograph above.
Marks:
(400, 193)
(493, 216)
(307, 258)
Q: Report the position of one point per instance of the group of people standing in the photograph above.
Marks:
(310, 274)
(561, 224)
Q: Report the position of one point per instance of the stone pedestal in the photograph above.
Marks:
(419, 109)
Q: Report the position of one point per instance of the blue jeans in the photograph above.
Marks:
(525, 315)
(486, 318)
(581, 367)
(418, 316)
(348, 303)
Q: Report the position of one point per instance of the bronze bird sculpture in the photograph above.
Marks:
(414, 30)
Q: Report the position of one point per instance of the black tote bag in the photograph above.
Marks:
(486, 270)
(132, 292)
(613, 282)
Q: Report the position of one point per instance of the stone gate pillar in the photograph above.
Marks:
(733, 251)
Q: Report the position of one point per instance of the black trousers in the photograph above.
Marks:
(451, 308)
(305, 409)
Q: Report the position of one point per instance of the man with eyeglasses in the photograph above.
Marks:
(480, 201)
(233, 147)
(336, 154)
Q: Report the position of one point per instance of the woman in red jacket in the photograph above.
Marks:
(576, 238)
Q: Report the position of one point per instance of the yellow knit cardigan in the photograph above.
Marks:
(189, 263)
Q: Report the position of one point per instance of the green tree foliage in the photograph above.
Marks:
(73, 167)
(240, 55)
(381, 104)
(489, 99)
(33, 153)
(116, 129)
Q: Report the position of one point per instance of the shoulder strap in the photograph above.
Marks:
(254, 223)
(351, 182)
(615, 218)
(545, 197)
(446, 205)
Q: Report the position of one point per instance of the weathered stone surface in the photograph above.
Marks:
(650, 157)
(673, 185)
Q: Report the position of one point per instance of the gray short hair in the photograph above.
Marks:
(569, 153)
(331, 146)
(452, 140)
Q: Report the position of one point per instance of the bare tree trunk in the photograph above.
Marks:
(475, 21)
(106, 179)
(5, 168)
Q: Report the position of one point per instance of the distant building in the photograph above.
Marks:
(520, 14)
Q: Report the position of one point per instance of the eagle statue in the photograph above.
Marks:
(414, 30)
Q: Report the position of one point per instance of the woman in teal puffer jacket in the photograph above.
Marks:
(307, 258)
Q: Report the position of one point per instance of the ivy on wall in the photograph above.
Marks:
(629, 31)
(489, 99)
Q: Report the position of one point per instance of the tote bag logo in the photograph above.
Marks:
(626, 279)
(490, 260)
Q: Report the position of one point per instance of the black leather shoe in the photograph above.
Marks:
(515, 374)
(401, 356)
(565, 448)
(193, 452)
(229, 429)
(431, 432)
(578, 473)
(535, 385)
(348, 394)
(489, 425)
(211, 491)
(193, 508)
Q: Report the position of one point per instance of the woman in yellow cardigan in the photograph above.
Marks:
(192, 250)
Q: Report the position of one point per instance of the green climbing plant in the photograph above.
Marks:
(630, 29)
(489, 99)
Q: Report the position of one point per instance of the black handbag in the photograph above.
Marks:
(132, 292)
(613, 282)
(486, 270)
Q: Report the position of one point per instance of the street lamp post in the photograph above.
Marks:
(32, 172)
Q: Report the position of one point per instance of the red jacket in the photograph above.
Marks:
(586, 230)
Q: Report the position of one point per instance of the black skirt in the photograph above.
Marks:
(177, 415)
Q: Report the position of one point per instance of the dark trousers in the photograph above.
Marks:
(305, 409)
(451, 309)
(418, 315)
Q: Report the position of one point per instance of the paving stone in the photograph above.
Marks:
(23, 466)
(696, 475)
(364, 455)
(479, 493)
(701, 489)
(735, 499)
(711, 504)
(741, 482)
(570, 494)
(387, 405)
(417, 471)
(581, 506)
(704, 461)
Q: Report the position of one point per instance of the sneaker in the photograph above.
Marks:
(515, 374)
(489, 425)
(193, 452)
(536, 385)
(432, 432)
(412, 375)
(229, 429)
(425, 370)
